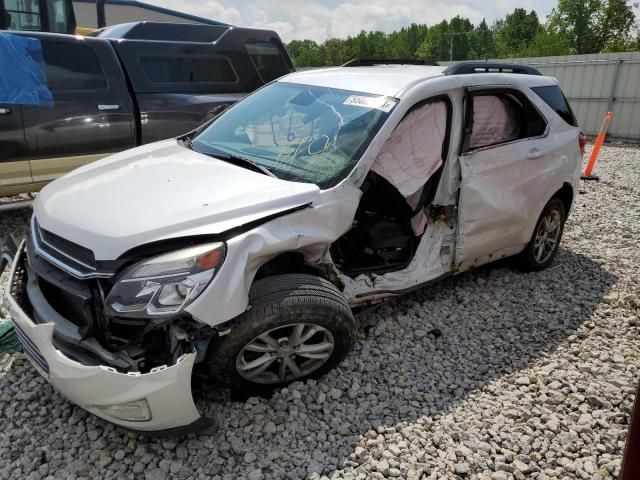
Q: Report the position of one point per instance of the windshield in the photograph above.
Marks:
(299, 132)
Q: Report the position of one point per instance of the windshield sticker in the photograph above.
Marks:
(380, 103)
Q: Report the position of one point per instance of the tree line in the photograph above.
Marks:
(573, 27)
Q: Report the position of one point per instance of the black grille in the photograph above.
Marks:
(71, 249)
(31, 351)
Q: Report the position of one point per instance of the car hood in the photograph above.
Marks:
(156, 192)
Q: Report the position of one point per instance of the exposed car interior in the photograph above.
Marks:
(391, 217)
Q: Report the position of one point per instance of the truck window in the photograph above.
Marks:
(187, 69)
(61, 19)
(268, 60)
(553, 96)
(71, 67)
(23, 15)
(26, 15)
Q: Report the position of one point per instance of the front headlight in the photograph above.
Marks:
(164, 285)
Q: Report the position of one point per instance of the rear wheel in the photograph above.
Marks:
(542, 247)
(299, 326)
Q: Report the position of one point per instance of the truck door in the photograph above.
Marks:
(92, 114)
(14, 167)
(505, 174)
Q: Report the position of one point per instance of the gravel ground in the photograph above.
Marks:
(532, 377)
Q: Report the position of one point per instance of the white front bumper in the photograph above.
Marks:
(167, 389)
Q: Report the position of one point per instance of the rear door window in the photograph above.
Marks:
(72, 67)
(553, 96)
(268, 60)
(187, 69)
(503, 116)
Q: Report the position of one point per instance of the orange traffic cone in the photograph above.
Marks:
(596, 148)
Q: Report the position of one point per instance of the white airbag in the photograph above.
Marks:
(495, 120)
(413, 152)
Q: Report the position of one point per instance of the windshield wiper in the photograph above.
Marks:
(245, 162)
(235, 160)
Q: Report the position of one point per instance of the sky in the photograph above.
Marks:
(320, 19)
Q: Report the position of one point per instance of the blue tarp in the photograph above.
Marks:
(22, 74)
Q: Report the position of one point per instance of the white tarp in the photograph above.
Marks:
(413, 152)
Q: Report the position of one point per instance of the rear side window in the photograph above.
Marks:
(72, 67)
(553, 96)
(501, 117)
(268, 60)
(20, 15)
(187, 69)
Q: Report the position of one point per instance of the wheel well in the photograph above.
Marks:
(290, 262)
(566, 195)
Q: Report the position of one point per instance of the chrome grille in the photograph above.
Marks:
(31, 351)
(68, 256)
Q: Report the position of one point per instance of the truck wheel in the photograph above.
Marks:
(544, 243)
(299, 326)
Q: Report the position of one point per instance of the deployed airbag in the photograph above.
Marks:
(495, 120)
(413, 152)
(23, 79)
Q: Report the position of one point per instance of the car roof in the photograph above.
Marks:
(390, 80)
(385, 80)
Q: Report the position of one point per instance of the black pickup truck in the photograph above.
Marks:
(132, 84)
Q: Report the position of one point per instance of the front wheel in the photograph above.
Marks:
(544, 243)
(299, 326)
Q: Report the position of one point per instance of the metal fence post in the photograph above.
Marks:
(614, 83)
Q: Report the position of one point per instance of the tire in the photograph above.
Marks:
(531, 259)
(282, 307)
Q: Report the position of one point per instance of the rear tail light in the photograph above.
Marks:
(582, 141)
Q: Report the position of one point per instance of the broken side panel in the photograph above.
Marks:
(433, 259)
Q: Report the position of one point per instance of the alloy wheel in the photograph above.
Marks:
(547, 236)
(286, 353)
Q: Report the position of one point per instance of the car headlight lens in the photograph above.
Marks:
(164, 285)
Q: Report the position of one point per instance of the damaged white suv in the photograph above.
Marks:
(241, 249)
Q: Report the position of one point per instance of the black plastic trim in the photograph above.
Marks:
(466, 68)
(65, 331)
(202, 425)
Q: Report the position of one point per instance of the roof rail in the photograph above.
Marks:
(464, 68)
(370, 62)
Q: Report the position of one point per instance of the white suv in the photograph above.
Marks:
(242, 248)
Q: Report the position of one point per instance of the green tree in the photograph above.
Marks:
(594, 25)
(462, 30)
(575, 26)
(546, 43)
(515, 32)
(435, 45)
(304, 53)
(483, 45)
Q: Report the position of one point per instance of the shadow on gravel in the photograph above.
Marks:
(494, 322)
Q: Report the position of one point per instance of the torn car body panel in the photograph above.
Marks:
(166, 389)
(310, 232)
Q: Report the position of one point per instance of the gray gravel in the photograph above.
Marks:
(533, 377)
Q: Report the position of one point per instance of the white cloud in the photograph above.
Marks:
(295, 19)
